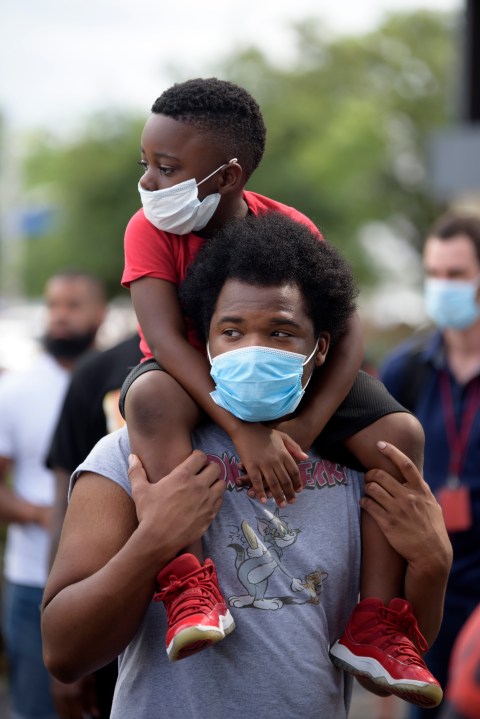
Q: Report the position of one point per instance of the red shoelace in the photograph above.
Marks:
(195, 593)
(402, 635)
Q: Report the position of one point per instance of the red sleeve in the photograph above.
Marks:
(148, 252)
(258, 204)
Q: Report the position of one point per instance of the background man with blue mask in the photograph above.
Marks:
(437, 376)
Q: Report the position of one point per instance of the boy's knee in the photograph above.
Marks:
(155, 401)
(147, 401)
(400, 429)
(405, 432)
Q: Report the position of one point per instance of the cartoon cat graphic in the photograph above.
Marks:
(256, 563)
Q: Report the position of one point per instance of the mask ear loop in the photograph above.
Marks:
(306, 362)
(208, 354)
(233, 161)
(311, 354)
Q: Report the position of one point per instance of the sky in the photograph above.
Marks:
(61, 61)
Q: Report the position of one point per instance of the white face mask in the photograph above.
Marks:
(177, 209)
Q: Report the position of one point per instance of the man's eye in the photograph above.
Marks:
(281, 333)
(231, 333)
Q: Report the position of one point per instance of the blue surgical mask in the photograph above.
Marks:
(258, 384)
(177, 209)
(452, 304)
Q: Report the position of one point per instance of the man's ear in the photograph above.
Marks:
(322, 349)
(231, 178)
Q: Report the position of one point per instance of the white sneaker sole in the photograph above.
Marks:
(411, 690)
(201, 635)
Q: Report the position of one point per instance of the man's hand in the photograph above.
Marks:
(408, 514)
(77, 700)
(182, 505)
(270, 459)
(43, 515)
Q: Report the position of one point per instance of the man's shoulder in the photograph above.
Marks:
(33, 372)
(408, 367)
(106, 370)
(414, 346)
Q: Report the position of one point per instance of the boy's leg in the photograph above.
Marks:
(383, 570)
(376, 641)
(160, 418)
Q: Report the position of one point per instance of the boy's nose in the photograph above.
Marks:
(149, 181)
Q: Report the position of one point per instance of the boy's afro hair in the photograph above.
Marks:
(266, 251)
(224, 110)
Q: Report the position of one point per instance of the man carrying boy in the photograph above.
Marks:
(290, 575)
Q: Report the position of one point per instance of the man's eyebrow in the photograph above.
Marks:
(285, 321)
(275, 321)
(235, 319)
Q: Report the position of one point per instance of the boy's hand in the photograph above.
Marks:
(270, 459)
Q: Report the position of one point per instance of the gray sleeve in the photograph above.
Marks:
(109, 458)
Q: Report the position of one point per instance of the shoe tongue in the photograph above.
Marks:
(400, 605)
(370, 603)
(180, 566)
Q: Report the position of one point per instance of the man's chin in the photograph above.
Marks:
(68, 347)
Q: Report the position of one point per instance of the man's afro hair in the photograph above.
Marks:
(266, 251)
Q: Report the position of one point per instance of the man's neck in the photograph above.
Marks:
(462, 348)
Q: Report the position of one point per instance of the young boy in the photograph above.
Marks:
(202, 142)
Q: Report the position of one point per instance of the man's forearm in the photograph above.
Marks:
(15, 509)
(425, 590)
(100, 614)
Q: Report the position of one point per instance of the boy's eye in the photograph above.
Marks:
(163, 168)
(281, 333)
(231, 333)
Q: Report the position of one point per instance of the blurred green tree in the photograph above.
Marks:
(348, 125)
(91, 181)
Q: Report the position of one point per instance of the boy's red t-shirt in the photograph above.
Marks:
(150, 252)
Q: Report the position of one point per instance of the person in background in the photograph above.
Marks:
(463, 690)
(30, 402)
(89, 412)
(437, 376)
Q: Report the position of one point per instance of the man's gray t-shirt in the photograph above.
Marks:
(291, 579)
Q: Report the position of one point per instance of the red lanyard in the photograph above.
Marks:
(458, 438)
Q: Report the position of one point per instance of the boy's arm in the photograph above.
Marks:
(328, 388)
(266, 453)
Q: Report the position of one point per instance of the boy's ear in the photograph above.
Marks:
(322, 349)
(231, 178)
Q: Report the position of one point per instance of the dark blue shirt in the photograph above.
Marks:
(464, 583)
